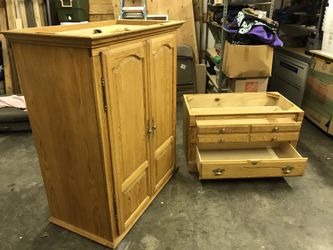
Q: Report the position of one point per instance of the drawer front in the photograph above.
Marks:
(229, 129)
(225, 138)
(215, 171)
(283, 160)
(271, 137)
(276, 127)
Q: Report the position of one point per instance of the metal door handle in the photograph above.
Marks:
(218, 171)
(153, 125)
(149, 130)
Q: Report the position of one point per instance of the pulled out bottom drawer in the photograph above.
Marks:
(278, 161)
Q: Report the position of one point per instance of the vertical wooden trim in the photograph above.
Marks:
(7, 66)
(37, 16)
(11, 14)
(23, 13)
(18, 20)
(105, 143)
(115, 174)
(174, 95)
(41, 12)
(150, 104)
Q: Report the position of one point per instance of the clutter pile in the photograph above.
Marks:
(251, 36)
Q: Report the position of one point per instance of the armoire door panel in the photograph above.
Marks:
(135, 198)
(162, 97)
(163, 162)
(126, 91)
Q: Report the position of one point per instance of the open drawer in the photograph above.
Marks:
(276, 161)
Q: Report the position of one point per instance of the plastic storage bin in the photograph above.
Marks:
(72, 10)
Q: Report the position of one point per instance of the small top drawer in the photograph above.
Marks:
(221, 127)
(286, 127)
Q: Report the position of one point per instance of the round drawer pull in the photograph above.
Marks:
(287, 169)
(275, 129)
(222, 140)
(222, 130)
(218, 171)
(274, 138)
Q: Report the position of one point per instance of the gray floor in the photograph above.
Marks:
(290, 213)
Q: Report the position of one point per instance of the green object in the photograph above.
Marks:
(72, 10)
(217, 59)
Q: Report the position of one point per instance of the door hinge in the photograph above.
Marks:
(104, 95)
(115, 209)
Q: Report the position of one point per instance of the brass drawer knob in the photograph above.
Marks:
(222, 140)
(274, 138)
(287, 169)
(222, 131)
(254, 162)
(275, 129)
(218, 171)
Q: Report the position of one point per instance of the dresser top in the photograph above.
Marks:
(92, 34)
(239, 103)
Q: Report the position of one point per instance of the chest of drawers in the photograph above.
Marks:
(242, 135)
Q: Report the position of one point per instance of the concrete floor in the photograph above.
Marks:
(281, 213)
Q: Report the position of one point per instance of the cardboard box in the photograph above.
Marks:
(320, 65)
(318, 97)
(248, 84)
(322, 119)
(319, 90)
(240, 61)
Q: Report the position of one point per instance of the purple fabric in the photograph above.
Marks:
(269, 38)
(261, 32)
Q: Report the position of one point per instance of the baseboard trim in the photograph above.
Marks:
(81, 232)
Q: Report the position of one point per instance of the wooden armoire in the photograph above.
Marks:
(101, 99)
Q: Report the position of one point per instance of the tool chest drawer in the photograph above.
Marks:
(279, 160)
(296, 126)
(226, 126)
(215, 138)
(270, 137)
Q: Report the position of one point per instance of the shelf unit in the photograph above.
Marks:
(217, 28)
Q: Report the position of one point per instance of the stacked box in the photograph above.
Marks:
(318, 97)
(248, 84)
(247, 66)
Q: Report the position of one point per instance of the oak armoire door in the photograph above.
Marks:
(124, 68)
(162, 80)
